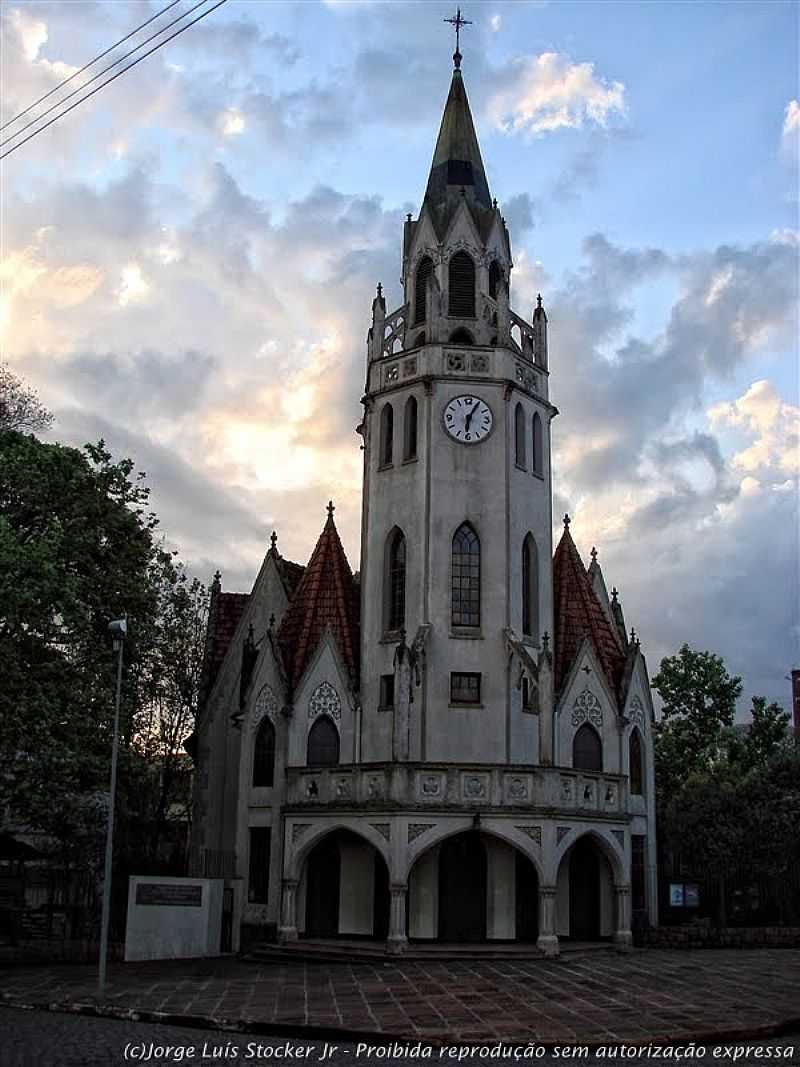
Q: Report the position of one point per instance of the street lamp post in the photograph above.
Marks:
(118, 629)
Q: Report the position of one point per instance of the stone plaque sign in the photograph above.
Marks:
(159, 894)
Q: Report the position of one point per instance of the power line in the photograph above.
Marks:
(89, 64)
(100, 74)
(113, 77)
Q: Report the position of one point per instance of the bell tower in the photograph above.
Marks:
(456, 579)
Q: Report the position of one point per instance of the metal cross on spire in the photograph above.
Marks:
(458, 22)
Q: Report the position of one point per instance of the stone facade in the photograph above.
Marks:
(458, 745)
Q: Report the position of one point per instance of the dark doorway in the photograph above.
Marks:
(323, 874)
(527, 899)
(584, 892)
(462, 888)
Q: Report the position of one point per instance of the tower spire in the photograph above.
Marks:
(457, 162)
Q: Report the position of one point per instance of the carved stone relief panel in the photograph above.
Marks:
(456, 361)
(325, 701)
(475, 786)
(266, 706)
(430, 786)
(587, 708)
(416, 829)
(533, 832)
(636, 712)
(391, 373)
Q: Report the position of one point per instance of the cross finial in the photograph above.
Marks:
(273, 540)
(633, 636)
(567, 521)
(380, 290)
(458, 22)
(272, 621)
(614, 594)
(538, 300)
(331, 509)
(594, 554)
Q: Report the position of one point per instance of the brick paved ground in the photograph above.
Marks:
(597, 997)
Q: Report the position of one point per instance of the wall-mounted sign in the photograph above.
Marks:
(691, 896)
(676, 894)
(166, 895)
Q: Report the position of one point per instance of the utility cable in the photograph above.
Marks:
(91, 63)
(113, 77)
(100, 73)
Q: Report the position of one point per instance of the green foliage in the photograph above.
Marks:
(728, 801)
(699, 703)
(20, 407)
(77, 549)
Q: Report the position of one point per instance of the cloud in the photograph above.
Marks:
(772, 427)
(548, 92)
(791, 120)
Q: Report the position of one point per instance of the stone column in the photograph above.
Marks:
(397, 941)
(623, 939)
(287, 931)
(548, 938)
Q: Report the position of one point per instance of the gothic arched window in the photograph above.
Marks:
(636, 763)
(495, 274)
(519, 436)
(461, 286)
(395, 581)
(323, 743)
(387, 436)
(587, 749)
(264, 754)
(466, 577)
(410, 429)
(538, 459)
(424, 271)
(530, 588)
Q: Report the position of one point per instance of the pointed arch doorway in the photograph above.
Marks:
(462, 888)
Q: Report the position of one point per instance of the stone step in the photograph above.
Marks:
(344, 951)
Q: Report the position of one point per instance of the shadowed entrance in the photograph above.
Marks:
(462, 888)
(584, 891)
(346, 889)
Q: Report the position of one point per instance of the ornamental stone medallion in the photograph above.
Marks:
(480, 364)
(325, 701)
(456, 361)
(474, 787)
(266, 706)
(430, 786)
(518, 789)
(382, 828)
(410, 367)
(587, 709)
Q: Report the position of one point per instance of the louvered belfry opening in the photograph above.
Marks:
(494, 279)
(462, 286)
(424, 271)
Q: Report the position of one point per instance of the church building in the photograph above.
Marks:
(455, 745)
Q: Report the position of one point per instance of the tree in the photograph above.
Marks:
(77, 548)
(699, 702)
(766, 737)
(20, 407)
(169, 710)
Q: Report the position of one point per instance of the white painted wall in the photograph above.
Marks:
(423, 895)
(356, 888)
(500, 890)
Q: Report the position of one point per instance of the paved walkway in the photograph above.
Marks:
(599, 997)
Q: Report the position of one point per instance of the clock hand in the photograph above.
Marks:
(471, 413)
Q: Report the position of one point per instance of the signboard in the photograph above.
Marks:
(676, 894)
(691, 896)
(165, 895)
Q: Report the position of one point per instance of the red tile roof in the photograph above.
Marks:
(229, 608)
(578, 614)
(326, 597)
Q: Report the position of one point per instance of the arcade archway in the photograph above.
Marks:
(344, 889)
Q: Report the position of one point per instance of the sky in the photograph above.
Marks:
(189, 260)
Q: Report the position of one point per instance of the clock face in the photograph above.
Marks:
(468, 419)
